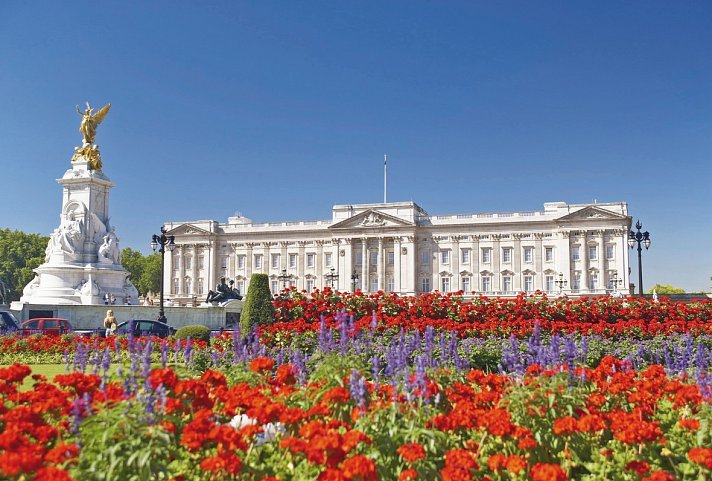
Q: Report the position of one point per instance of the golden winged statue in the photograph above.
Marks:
(91, 121)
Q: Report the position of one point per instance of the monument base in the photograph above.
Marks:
(79, 285)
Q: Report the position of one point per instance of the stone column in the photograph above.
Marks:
(365, 287)
(194, 272)
(455, 263)
(602, 271)
(397, 246)
(380, 267)
(319, 264)
(583, 250)
(475, 262)
(249, 262)
(538, 262)
(517, 264)
(496, 256)
(301, 261)
(348, 262)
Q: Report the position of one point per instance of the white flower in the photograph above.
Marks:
(242, 420)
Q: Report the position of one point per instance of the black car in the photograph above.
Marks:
(8, 322)
(144, 327)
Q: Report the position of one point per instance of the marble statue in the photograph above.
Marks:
(67, 237)
(109, 249)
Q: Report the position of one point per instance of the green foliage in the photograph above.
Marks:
(144, 271)
(666, 289)
(258, 308)
(117, 444)
(19, 254)
(194, 332)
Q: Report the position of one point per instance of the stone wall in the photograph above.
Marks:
(91, 316)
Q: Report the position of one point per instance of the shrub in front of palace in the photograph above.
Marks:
(194, 332)
(258, 308)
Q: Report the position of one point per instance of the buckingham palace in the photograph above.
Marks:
(572, 249)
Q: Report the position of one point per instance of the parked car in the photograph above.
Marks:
(46, 325)
(145, 327)
(8, 322)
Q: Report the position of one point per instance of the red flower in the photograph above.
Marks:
(689, 423)
(224, 461)
(359, 468)
(565, 426)
(547, 472)
(165, 377)
(285, 375)
(261, 364)
(701, 456)
(640, 467)
(408, 474)
(51, 473)
(411, 452)
(659, 475)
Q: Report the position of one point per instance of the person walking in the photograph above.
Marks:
(110, 323)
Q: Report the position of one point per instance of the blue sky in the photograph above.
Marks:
(280, 109)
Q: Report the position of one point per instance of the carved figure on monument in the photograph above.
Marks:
(67, 237)
(31, 286)
(223, 292)
(109, 252)
(373, 219)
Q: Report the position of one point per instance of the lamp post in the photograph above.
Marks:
(561, 282)
(331, 277)
(642, 239)
(160, 243)
(284, 277)
(354, 278)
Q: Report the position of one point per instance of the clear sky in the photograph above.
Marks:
(280, 109)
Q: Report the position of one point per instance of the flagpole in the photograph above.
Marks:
(385, 176)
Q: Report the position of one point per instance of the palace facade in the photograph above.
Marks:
(574, 249)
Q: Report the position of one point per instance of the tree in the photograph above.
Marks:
(258, 308)
(666, 289)
(144, 271)
(20, 253)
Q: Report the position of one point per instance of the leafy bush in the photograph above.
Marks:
(195, 331)
(258, 308)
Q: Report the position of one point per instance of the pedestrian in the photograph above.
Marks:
(110, 323)
(128, 300)
(113, 299)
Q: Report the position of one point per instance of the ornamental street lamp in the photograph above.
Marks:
(284, 277)
(641, 238)
(354, 278)
(331, 277)
(160, 243)
(561, 282)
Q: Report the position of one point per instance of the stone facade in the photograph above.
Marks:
(398, 247)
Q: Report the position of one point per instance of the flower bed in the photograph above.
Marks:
(610, 422)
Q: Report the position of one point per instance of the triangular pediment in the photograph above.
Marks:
(370, 219)
(188, 229)
(592, 212)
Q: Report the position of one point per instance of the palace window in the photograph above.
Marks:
(549, 254)
(391, 284)
(176, 286)
(358, 258)
(507, 283)
(188, 284)
(292, 261)
(241, 262)
(374, 261)
(593, 252)
(374, 284)
(466, 284)
(310, 260)
(576, 282)
(327, 259)
(610, 252)
(528, 283)
(240, 286)
(199, 286)
(486, 283)
(258, 261)
(486, 255)
(275, 261)
(507, 255)
(225, 262)
(201, 262)
(593, 280)
(528, 254)
(549, 283)
(445, 257)
(188, 263)
(275, 287)
(390, 258)
(575, 253)
(176, 262)
(425, 284)
(445, 284)
(310, 285)
(425, 260)
(465, 256)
